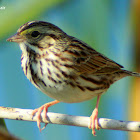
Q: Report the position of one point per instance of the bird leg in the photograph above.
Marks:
(43, 108)
(94, 118)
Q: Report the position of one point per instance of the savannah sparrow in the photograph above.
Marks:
(64, 67)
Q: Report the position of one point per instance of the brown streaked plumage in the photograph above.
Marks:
(65, 68)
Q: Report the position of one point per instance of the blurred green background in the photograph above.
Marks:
(106, 25)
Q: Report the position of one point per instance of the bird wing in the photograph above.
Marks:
(87, 60)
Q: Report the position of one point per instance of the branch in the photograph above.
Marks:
(56, 118)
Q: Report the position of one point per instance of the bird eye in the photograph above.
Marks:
(35, 34)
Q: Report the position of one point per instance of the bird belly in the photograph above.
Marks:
(71, 94)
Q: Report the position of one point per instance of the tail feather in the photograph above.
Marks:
(130, 73)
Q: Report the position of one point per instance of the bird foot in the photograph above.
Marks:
(94, 121)
(38, 112)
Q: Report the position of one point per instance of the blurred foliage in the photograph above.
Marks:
(4, 135)
(21, 12)
(135, 90)
(2, 124)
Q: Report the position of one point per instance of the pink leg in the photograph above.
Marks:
(43, 108)
(94, 117)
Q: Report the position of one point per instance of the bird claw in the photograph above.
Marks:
(44, 126)
(44, 116)
(38, 111)
(94, 121)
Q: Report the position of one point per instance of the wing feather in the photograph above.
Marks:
(87, 60)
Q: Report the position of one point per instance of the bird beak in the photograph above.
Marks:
(16, 38)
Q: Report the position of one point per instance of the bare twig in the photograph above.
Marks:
(56, 118)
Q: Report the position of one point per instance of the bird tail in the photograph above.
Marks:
(130, 73)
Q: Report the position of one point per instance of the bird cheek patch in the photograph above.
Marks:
(47, 42)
